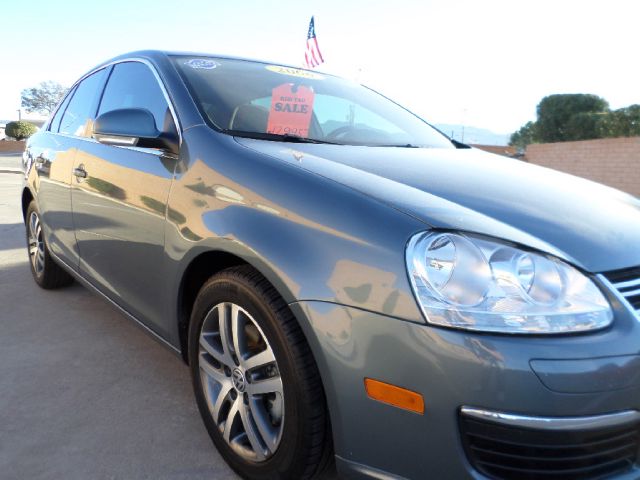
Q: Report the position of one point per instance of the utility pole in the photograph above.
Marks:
(352, 115)
(464, 119)
(352, 107)
(19, 114)
(358, 75)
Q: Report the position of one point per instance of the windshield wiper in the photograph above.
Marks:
(276, 137)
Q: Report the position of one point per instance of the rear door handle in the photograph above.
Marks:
(80, 172)
(43, 157)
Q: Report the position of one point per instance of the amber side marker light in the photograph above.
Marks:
(393, 395)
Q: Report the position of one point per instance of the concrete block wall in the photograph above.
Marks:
(11, 146)
(612, 161)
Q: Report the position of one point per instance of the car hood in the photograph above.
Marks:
(595, 227)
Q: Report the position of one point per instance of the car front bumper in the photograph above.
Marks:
(540, 377)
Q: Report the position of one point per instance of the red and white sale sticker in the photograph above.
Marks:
(291, 110)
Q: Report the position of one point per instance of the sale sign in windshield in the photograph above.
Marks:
(291, 110)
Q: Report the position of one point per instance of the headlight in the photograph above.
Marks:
(475, 284)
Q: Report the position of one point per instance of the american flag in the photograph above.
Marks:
(312, 57)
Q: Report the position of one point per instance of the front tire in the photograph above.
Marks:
(256, 383)
(46, 272)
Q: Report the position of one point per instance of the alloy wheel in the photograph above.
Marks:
(36, 243)
(241, 382)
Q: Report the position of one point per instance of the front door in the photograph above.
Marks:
(119, 197)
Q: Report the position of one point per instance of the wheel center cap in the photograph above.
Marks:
(239, 382)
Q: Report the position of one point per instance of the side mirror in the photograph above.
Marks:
(132, 127)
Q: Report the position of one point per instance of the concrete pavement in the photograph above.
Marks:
(83, 392)
(10, 163)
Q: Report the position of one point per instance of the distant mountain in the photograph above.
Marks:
(479, 136)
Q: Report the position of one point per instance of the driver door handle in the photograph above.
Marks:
(80, 172)
(40, 161)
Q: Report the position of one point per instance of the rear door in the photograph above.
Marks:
(53, 156)
(120, 201)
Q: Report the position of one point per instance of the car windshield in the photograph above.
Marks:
(273, 102)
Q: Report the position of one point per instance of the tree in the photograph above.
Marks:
(555, 113)
(523, 137)
(569, 117)
(624, 122)
(20, 130)
(585, 126)
(43, 98)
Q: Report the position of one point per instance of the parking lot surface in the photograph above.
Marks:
(84, 393)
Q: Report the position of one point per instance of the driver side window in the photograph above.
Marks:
(133, 85)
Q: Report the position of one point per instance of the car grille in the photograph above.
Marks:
(510, 453)
(627, 282)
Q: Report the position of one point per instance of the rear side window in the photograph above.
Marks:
(82, 105)
(55, 122)
(133, 85)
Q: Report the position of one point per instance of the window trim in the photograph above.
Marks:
(110, 65)
(69, 95)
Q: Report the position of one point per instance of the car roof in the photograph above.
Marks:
(164, 54)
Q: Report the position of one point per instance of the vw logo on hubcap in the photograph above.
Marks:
(239, 382)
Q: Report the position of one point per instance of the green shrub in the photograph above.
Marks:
(20, 130)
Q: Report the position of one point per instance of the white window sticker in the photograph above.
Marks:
(294, 72)
(202, 64)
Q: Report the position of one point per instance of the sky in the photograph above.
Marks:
(483, 63)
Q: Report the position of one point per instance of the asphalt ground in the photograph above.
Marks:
(84, 393)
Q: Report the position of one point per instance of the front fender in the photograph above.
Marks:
(311, 237)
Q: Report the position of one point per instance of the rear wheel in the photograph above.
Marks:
(46, 272)
(255, 380)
